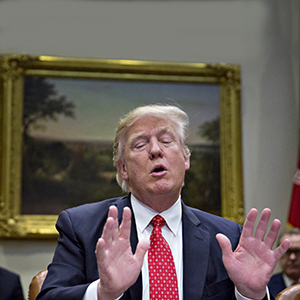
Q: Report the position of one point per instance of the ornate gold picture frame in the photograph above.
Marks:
(42, 167)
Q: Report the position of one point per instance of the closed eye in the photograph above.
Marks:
(166, 141)
(139, 143)
(166, 138)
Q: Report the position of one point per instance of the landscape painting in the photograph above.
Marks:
(69, 127)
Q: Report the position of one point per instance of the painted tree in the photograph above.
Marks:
(42, 102)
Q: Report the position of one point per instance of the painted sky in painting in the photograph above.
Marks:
(99, 104)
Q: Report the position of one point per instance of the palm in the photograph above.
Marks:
(251, 265)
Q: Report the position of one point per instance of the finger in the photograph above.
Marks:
(273, 233)
(113, 213)
(100, 251)
(278, 252)
(107, 234)
(110, 230)
(225, 244)
(101, 258)
(249, 224)
(141, 250)
(125, 226)
(262, 225)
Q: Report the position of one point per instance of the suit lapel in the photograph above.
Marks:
(195, 255)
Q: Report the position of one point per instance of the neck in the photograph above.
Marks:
(159, 203)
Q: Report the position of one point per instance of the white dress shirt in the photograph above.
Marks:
(172, 232)
(288, 281)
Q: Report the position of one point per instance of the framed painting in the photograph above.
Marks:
(57, 124)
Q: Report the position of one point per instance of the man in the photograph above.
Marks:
(289, 262)
(98, 259)
(10, 285)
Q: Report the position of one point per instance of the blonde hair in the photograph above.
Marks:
(179, 118)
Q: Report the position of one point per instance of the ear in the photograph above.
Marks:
(122, 170)
(187, 162)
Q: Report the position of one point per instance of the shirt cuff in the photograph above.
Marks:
(91, 291)
(238, 296)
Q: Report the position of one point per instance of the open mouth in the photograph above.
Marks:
(158, 169)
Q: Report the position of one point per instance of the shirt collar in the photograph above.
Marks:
(144, 214)
(287, 280)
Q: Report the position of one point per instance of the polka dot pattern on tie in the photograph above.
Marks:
(162, 272)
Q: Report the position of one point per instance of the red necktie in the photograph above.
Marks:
(162, 272)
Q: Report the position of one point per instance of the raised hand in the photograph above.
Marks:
(118, 268)
(251, 265)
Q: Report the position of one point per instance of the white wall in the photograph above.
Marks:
(261, 36)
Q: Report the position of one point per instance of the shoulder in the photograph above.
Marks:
(212, 223)
(208, 218)
(10, 287)
(276, 277)
(89, 217)
(10, 282)
(95, 208)
(9, 275)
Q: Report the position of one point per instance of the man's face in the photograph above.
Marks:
(290, 261)
(154, 163)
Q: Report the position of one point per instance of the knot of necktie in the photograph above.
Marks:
(158, 221)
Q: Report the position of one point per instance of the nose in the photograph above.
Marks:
(155, 149)
(292, 256)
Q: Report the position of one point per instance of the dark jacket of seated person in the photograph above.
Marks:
(10, 285)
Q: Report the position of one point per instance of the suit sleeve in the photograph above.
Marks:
(66, 277)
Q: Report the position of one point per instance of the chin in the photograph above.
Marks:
(167, 190)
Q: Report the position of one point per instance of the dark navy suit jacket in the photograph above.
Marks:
(276, 284)
(74, 264)
(10, 286)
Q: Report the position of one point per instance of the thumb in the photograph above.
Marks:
(141, 250)
(225, 244)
